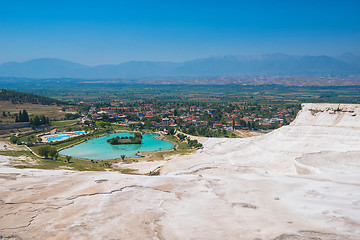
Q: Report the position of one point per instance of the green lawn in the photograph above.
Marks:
(63, 123)
(60, 163)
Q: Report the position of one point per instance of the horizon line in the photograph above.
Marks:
(169, 61)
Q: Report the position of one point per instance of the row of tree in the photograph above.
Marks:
(22, 116)
(39, 120)
(48, 151)
(35, 121)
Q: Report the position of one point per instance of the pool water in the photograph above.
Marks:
(58, 137)
(79, 133)
(99, 149)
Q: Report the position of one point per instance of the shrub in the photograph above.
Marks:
(14, 139)
(46, 151)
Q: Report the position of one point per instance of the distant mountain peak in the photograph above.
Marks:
(226, 65)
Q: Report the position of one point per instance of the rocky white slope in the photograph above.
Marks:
(299, 182)
(317, 128)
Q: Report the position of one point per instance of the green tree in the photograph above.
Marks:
(122, 157)
(171, 130)
(53, 153)
(36, 121)
(14, 139)
(138, 135)
(68, 158)
(20, 116)
(46, 151)
(25, 116)
(192, 130)
(181, 137)
(147, 124)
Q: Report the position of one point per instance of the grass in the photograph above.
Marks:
(74, 164)
(120, 128)
(181, 148)
(63, 123)
(18, 153)
(60, 163)
(29, 138)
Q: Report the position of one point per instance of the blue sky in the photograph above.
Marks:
(101, 32)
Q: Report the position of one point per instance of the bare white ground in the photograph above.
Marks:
(299, 182)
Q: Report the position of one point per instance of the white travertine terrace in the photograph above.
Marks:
(298, 182)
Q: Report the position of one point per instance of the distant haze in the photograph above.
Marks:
(229, 65)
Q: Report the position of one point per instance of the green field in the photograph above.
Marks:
(63, 123)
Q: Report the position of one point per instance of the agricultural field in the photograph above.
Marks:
(90, 91)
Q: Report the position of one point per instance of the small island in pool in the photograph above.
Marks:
(137, 139)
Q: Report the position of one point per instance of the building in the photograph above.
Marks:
(165, 121)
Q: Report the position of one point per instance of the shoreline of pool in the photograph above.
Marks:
(138, 155)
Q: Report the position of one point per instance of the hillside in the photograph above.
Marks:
(21, 97)
(11, 102)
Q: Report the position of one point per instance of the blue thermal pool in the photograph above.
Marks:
(99, 149)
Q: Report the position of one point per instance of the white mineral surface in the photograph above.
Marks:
(299, 182)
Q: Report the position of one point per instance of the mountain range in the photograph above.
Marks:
(229, 65)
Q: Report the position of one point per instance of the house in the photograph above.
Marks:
(109, 109)
(237, 126)
(246, 119)
(120, 117)
(96, 116)
(165, 121)
(211, 111)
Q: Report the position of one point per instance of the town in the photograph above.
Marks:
(202, 119)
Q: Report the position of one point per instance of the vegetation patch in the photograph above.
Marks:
(137, 139)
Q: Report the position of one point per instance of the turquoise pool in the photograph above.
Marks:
(99, 149)
(62, 136)
(58, 137)
(79, 133)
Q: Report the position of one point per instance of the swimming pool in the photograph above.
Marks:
(58, 137)
(79, 133)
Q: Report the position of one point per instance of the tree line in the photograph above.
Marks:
(39, 120)
(35, 121)
(22, 116)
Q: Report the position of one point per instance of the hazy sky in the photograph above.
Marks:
(98, 32)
